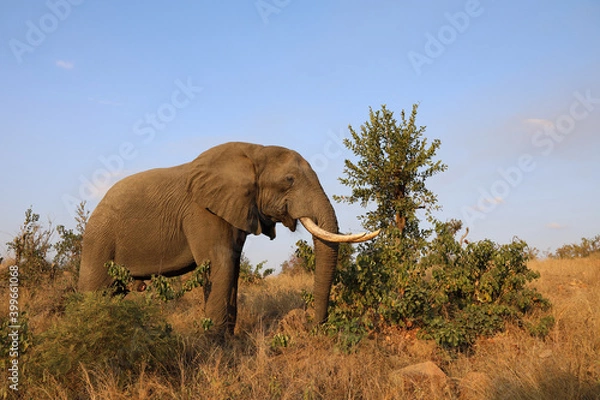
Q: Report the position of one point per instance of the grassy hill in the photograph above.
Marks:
(273, 356)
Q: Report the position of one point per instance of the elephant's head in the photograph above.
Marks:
(253, 187)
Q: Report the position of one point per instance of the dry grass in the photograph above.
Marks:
(516, 366)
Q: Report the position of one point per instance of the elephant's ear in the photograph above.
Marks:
(225, 183)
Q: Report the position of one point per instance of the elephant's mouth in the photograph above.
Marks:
(284, 218)
(289, 223)
(282, 215)
(287, 220)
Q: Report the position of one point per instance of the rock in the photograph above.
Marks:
(545, 354)
(424, 378)
(475, 385)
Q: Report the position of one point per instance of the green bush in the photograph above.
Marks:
(306, 256)
(103, 332)
(167, 289)
(475, 290)
(453, 294)
(160, 287)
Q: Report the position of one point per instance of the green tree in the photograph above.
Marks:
(394, 161)
(385, 283)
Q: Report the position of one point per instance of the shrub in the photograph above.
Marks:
(31, 248)
(586, 248)
(105, 332)
(305, 255)
(475, 290)
(253, 274)
(294, 265)
(68, 248)
(167, 289)
(160, 287)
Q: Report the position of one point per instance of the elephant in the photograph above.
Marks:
(166, 221)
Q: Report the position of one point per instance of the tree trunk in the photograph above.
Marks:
(400, 219)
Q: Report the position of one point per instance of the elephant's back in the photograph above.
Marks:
(143, 194)
(147, 185)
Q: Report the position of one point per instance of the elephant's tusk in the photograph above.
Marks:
(321, 233)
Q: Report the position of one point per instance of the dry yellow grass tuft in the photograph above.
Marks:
(258, 364)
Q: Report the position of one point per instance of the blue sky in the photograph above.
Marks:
(512, 89)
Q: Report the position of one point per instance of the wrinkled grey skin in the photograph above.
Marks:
(168, 220)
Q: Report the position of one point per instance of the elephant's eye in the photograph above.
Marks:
(289, 180)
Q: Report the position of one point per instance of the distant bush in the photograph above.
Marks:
(253, 274)
(32, 249)
(39, 259)
(586, 248)
(301, 261)
(68, 248)
(303, 258)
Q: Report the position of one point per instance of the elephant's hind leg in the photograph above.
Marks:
(93, 275)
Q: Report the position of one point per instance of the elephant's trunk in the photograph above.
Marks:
(326, 255)
(326, 239)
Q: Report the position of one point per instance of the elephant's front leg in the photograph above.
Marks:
(212, 238)
(220, 294)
